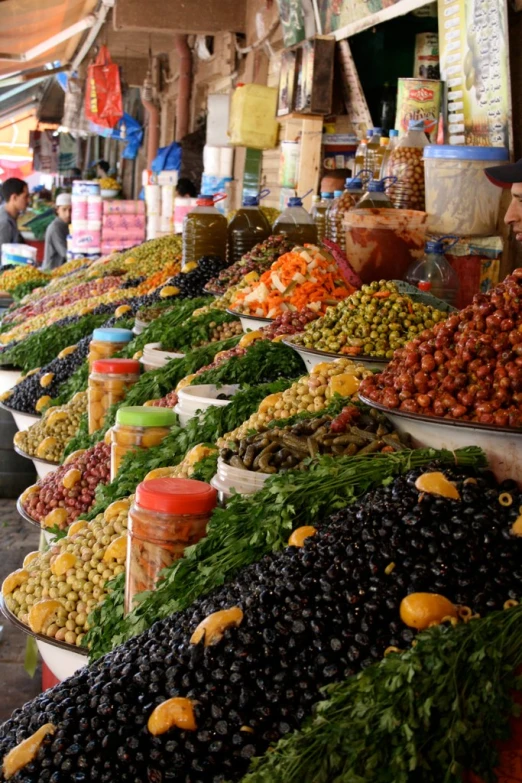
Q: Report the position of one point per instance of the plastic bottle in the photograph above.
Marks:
(375, 197)
(360, 157)
(295, 223)
(406, 163)
(392, 143)
(346, 200)
(383, 149)
(204, 231)
(248, 227)
(319, 210)
(433, 273)
(373, 157)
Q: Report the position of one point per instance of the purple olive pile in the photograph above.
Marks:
(287, 626)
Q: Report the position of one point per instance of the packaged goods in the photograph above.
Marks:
(109, 381)
(418, 99)
(296, 224)
(106, 343)
(343, 202)
(138, 428)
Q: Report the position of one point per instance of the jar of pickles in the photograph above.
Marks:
(138, 427)
(106, 343)
(109, 381)
(167, 516)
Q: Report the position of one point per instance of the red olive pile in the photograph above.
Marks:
(469, 367)
(60, 490)
(289, 323)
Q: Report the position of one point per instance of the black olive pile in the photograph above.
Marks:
(311, 616)
(191, 284)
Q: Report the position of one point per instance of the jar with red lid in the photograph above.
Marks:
(167, 516)
(109, 382)
(138, 427)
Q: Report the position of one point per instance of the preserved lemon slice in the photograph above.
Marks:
(250, 338)
(137, 356)
(14, 580)
(28, 559)
(67, 351)
(21, 755)
(121, 310)
(420, 610)
(42, 402)
(117, 549)
(198, 453)
(212, 628)
(41, 612)
(55, 416)
(251, 277)
(45, 445)
(46, 379)
(71, 478)
(76, 527)
(158, 473)
(300, 535)
(173, 713)
(516, 527)
(74, 455)
(58, 516)
(187, 380)
(169, 290)
(115, 509)
(26, 494)
(188, 267)
(436, 483)
(345, 384)
(63, 562)
(5, 396)
(269, 401)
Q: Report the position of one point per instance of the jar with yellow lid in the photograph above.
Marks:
(106, 343)
(138, 427)
(167, 516)
(109, 382)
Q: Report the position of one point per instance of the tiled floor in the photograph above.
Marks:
(17, 538)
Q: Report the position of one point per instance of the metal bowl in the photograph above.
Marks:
(62, 659)
(49, 537)
(250, 323)
(9, 376)
(502, 446)
(43, 466)
(311, 357)
(22, 420)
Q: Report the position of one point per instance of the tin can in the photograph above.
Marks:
(418, 99)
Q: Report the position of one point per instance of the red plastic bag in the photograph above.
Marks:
(103, 101)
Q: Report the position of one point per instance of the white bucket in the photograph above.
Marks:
(200, 397)
(153, 357)
(62, 662)
(244, 482)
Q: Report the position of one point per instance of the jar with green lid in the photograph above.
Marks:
(138, 427)
(109, 382)
(167, 516)
(106, 343)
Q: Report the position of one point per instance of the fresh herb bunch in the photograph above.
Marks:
(23, 289)
(264, 361)
(251, 526)
(195, 331)
(167, 324)
(206, 468)
(422, 716)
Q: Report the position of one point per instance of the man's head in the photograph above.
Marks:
(102, 169)
(63, 207)
(16, 196)
(510, 176)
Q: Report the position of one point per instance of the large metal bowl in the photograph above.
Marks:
(22, 420)
(502, 446)
(49, 537)
(61, 658)
(9, 376)
(43, 466)
(250, 323)
(312, 357)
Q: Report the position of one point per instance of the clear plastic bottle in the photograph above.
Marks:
(392, 143)
(248, 227)
(406, 163)
(205, 231)
(433, 273)
(360, 157)
(375, 197)
(373, 156)
(296, 224)
(346, 200)
(321, 206)
(383, 149)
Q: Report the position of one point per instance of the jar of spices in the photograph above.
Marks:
(167, 516)
(106, 343)
(109, 382)
(138, 427)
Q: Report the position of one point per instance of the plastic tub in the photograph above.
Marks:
(382, 243)
(192, 399)
(229, 480)
(153, 357)
(250, 323)
(459, 197)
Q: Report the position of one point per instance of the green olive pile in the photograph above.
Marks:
(48, 438)
(222, 332)
(287, 448)
(55, 591)
(374, 321)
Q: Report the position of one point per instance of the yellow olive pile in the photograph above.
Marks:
(185, 469)
(55, 591)
(47, 438)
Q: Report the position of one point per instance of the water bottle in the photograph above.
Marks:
(319, 210)
(433, 273)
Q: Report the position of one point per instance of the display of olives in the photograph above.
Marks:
(47, 439)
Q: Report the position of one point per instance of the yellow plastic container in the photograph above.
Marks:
(253, 117)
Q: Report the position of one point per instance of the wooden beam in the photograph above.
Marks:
(310, 158)
(182, 16)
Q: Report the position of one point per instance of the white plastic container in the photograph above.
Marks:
(24, 420)
(62, 660)
(85, 187)
(153, 357)
(229, 480)
(459, 197)
(8, 379)
(18, 255)
(192, 399)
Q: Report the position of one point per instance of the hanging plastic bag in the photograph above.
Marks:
(103, 101)
(167, 159)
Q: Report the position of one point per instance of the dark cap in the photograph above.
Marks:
(505, 176)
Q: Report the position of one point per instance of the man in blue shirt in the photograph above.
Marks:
(15, 194)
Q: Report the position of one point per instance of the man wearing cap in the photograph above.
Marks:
(510, 176)
(56, 234)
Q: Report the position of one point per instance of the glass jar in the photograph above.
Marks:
(106, 343)
(138, 427)
(109, 382)
(167, 516)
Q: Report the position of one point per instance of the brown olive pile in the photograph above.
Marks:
(55, 591)
(285, 448)
(62, 496)
(48, 438)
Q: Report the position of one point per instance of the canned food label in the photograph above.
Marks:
(418, 99)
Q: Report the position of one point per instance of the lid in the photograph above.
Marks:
(384, 141)
(353, 183)
(116, 365)
(377, 131)
(454, 152)
(369, 133)
(424, 285)
(142, 416)
(205, 200)
(251, 201)
(176, 496)
(294, 201)
(112, 335)
(338, 193)
(434, 246)
(393, 134)
(376, 186)
(327, 194)
(416, 125)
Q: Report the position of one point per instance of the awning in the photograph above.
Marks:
(25, 24)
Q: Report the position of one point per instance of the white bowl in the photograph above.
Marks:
(8, 379)
(251, 323)
(199, 397)
(153, 357)
(503, 447)
(229, 479)
(24, 420)
(42, 466)
(49, 537)
(109, 192)
(312, 357)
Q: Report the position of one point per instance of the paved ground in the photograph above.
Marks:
(16, 687)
